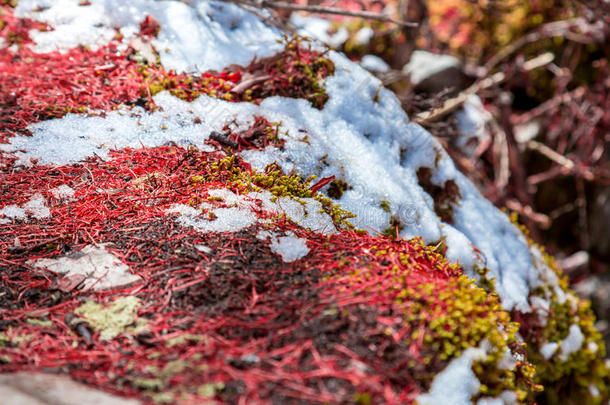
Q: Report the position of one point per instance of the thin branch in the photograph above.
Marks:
(549, 30)
(280, 5)
(451, 105)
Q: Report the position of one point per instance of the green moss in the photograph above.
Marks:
(566, 381)
(385, 205)
(148, 384)
(445, 316)
(272, 179)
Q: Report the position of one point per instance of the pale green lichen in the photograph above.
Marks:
(118, 317)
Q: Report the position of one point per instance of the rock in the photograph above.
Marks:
(297, 239)
(46, 389)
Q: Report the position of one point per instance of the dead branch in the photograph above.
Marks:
(280, 5)
(426, 117)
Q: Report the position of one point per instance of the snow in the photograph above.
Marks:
(548, 349)
(289, 247)
(63, 192)
(472, 121)
(208, 218)
(230, 34)
(364, 35)
(374, 64)
(318, 28)
(242, 212)
(542, 308)
(572, 343)
(36, 207)
(425, 64)
(362, 136)
(594, 391)
(505, 398)
(457, 244)
(457, 383)
(99, 268)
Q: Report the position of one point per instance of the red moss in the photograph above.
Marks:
(347, 321)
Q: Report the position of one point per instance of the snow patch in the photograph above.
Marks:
(207, 35)
(319, 28)
(374, 64)
(63, 192)
(99, 268)
(289, 247)
(457, 383)
(424, 64)
(548, 349)
(242, 212)
(572, 343)
(36, 207)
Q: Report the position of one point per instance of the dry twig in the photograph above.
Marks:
(451, 105)
(280, 5)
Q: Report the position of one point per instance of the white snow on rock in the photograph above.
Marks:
(241, 212)
(36, 207)
(101, 269)
(289, 247)
(208, 35)
(457, 383)
(362, 136)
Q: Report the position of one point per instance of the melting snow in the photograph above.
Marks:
(63, 192)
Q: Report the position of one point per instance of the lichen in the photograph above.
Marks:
(118, 317)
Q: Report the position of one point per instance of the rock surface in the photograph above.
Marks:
(290, 236)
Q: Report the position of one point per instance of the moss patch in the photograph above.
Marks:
(118, 317)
